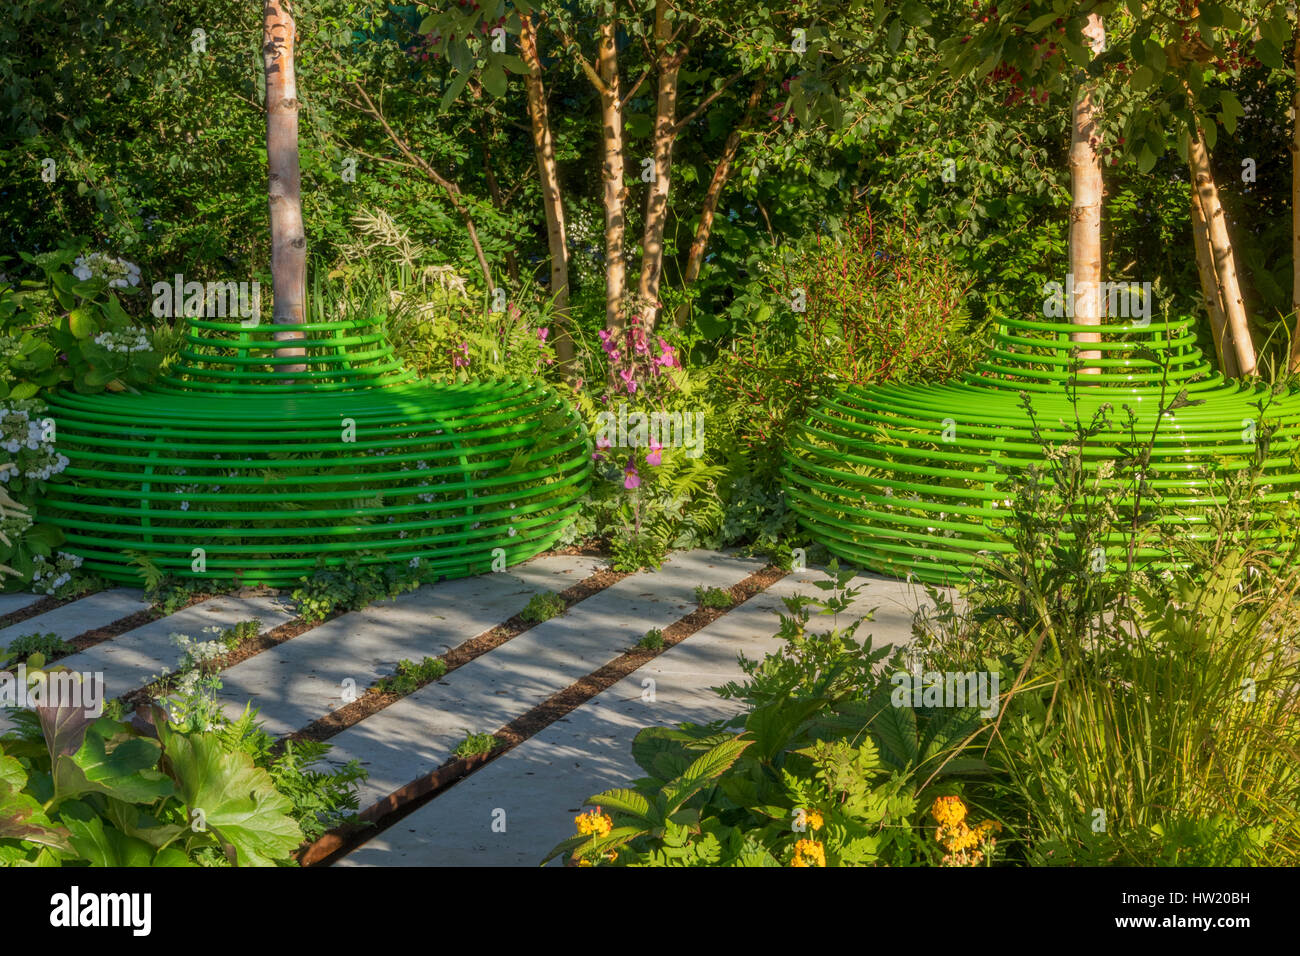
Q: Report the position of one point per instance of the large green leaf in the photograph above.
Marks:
(894, 729)
(629, 802)
(774, 725)
(132, 821)
(702, 772)
(101, 845)
(662, 752)
(126, 771)
(23, 818)
(81, 322)
(236, 800)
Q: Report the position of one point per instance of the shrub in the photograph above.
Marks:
(542, 607)
(183, 799)
(70, 326)
(715, 598)
(879, 306)
(652, 641)
(47, 645)
(1155, 714)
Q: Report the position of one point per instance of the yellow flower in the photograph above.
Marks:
(958, 837)
(814, 819)
(594, 822)
(809, 853)
(966, 845)
(948, 811)
(583, 861)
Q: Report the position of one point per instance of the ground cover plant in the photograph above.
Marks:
(183, 787)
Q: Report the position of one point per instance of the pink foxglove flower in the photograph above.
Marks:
(631, 479)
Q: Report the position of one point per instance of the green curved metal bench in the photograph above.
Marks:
(904, 479)
(274, 473)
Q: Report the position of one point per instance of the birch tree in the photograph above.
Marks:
(284, 180)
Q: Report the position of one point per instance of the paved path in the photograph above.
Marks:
(417, 735)
(541, 784)
(304, 679)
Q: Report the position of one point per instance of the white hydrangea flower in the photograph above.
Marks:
(118, 272)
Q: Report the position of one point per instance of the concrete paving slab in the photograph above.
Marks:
(84, 614)
(303, 679)
(417, 734)
(16, 602)
(541, 783)
(131, 660)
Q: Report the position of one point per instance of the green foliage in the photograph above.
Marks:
(169, 594)
(47, 645)
(321, 799)
(716, 598)
(1154, 716)
(652, 641)
(409, 677)
(542, 607)
(69, 326)
(475, 744)
(818, 775)
(634, 552)
(330, 591)
(80, 790)
(873, 304)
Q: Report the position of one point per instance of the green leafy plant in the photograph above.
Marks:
(653, 640)
(80, 790)
(715, 598)
(1154, 715)
(330, 591)
(475, 744)
(409, 677)
(631, 553)
(69, 326)
(48, 645)
(542, 607)
(169, 594)
(825, 770)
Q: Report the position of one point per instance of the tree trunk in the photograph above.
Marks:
(1085, 206)
(668, 66)
(611, 116)
(288, 239)
(1295, 203)
(1223, 345)
(549, 176)
(1225, 263)
(713, 195)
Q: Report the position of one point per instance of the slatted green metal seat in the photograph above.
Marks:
(910, 479)
(272, 473)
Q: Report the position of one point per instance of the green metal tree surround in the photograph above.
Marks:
(909, 480)
(232, 468)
